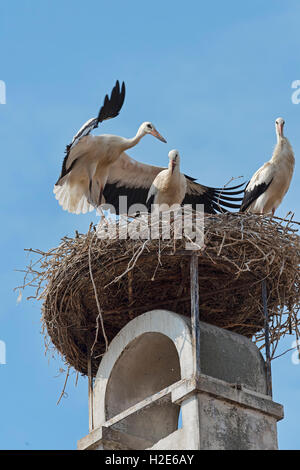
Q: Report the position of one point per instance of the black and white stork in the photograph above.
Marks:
(148, 184)
(269, 184)
(88, 158)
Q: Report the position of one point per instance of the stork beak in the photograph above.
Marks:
(173, 164)
(280, 129)
(158, 136)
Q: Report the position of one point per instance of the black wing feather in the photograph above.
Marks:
(251, 196)
(150, 201)
(214, 200)
(112, 106)
(193, 200)
(112, 192)
(213, 203)
(64, 170)
(190, 178)
(227, 189)
(110, 109)
(220, 202)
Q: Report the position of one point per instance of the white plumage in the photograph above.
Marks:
(88, 158)
(169, 186)
(269, 184)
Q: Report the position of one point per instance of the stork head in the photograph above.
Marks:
(279, 123)
(149, 128)
(174, 159)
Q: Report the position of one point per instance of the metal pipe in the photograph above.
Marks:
(267, 338)
(195, 320)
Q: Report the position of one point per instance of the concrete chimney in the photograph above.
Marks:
(147, 379)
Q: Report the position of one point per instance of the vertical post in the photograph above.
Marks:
(195, 320)
(267, 338)
(90, 394)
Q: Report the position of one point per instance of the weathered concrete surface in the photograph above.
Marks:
(228, 426)
(226, 417)
(147, 375)
(147, 355)
(231, 357)
(244, 397)
(135, 377)
(111, 439)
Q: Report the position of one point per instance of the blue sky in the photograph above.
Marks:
(212, 76)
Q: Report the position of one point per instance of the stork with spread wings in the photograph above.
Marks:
(97, 170)
(88, 159)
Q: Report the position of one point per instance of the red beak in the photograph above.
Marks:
(173, 164)
(158, 136)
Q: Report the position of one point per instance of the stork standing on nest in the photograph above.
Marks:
(169, 186)
(148, 184)
(269, 184)
(88, 158)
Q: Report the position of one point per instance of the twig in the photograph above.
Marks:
(64, 387)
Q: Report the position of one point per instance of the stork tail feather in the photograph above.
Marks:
(72, 199)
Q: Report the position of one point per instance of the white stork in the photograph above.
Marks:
(88, 158)
(269, 184)
(169, 186)
(148, 184)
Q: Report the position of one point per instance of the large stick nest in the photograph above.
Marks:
(92, 287)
